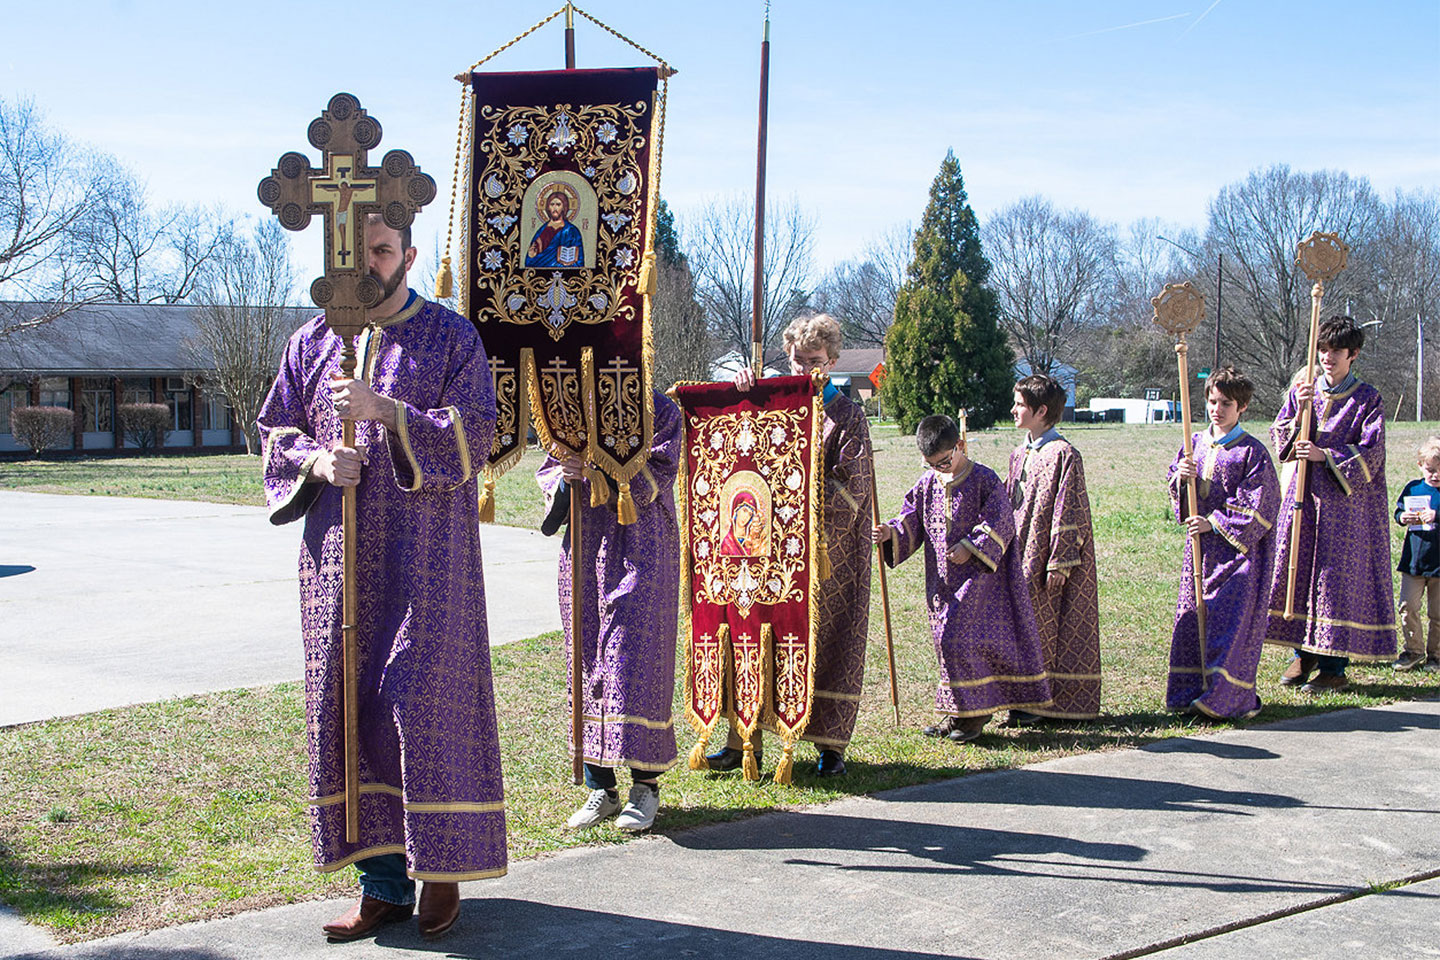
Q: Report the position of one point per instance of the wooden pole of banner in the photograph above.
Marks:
(577, 568)
(884, 593)
(757, 298)
(1322, 256)
(1178, 311)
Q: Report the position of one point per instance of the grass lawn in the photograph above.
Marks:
(193, 808)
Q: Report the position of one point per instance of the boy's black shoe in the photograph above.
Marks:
(832, 764)
(727, 759)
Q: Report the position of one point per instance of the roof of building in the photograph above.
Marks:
(859, 361)
(139, 339)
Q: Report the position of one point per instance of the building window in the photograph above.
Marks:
(180, 412)
(95, 406)
(214, 411)
(15, 397)
(55, 392)
(138, 390)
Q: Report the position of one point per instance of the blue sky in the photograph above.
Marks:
(1128, 109)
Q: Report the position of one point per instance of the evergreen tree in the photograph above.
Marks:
(945, 350)
(667, 239)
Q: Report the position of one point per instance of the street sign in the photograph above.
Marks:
(1202, 374)
(877, 376)
(1152, 393)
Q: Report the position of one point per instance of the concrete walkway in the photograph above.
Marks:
(107, 601)
(1250, 841)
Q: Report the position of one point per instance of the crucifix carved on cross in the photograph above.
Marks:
(343, 190)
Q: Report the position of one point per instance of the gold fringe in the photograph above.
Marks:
(444, 280)
(598, 489)
(647, 282)
(697, 753)
(487, 497)
(625, 509)
(787, 764)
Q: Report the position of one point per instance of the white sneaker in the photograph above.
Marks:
(640, 807)
(599, 806)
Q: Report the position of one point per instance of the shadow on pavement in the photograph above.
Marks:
(122, 952)
(519, 928)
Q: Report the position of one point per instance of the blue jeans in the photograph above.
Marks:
(1335, 666)
(384, 878)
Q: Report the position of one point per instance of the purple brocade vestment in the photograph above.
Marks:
(1046, 487)
(630, 606)
(980, 615)
(1344, 594)
(1240, 496)
(429, 752)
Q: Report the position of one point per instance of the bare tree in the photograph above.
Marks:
(1053, 271)
(1257, 223)
(241, 319)
(684, 349)
(721, 250)
(861, 293)
(46, 185)
(132, 253)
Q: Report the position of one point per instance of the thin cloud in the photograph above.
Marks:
(1131, 26)
(1201, 17)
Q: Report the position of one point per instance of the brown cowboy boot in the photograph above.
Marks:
(367, 916)
(439, 908)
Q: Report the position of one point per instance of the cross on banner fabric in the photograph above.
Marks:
(751, 492)
(563, 167)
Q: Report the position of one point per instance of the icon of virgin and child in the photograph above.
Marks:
(747, 505)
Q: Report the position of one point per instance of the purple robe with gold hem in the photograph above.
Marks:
(985, 637)
(1240, 496)
(630, 607)
(1344, 595)
(1046, 486)
(430, 785)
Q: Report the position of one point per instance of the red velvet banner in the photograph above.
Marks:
(750, 533)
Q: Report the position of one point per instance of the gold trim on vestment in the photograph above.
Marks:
(968, 544)
(1213, 670)
(1364, 467)
(1197, 705)
(985, 529)
(654, 484)
(1359, 657)
(1064, 565)
(405, 313)
(465, 470)
(306, 466)
(1062, 715)
(345, 861)
(329, 800)
(1335, 472)
(1254, 515)
(458, 806)
(403, 431)
(627, 718)
(996, 678)
(835, 695)
(1333, 623)
(458, 877)
(1033, 707)
(1067, 528)
(1239, 547)
(614, 763)
(1072, 676)
(854, 504)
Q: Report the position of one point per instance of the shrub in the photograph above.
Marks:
(41, 427)
(144, 424)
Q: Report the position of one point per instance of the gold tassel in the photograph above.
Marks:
(822, 558)
(786, 765)
(598, 490)
(648, 276)
(444, 280)
(625, 509)
(749, 766)
(697, 756)
(487, 499)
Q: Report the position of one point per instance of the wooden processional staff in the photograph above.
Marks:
(344, 191)
(1178, 311)
(884, 590)
(1322, 257)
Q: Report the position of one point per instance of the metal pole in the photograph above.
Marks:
(1219, 308)
(757, 302)
(1419, 368)
(569, 36)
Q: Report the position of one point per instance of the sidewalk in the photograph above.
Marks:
(108, 601)
(1092, 856)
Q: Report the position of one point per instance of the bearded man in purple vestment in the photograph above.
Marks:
(431, 800)
(1046, 485)
(1344, 596)
(812, 341)
(1238, 499)
(630, 609)
(979, 603)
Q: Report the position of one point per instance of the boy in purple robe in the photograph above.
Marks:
(985, 637)
(812, 341)
(1344, 598)
(432, 804)
(1046, 486)
(1237, 501)
(630, 608)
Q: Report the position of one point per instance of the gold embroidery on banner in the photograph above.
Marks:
(518, 143)
(772, 439)
(512, 416)
(555, 392)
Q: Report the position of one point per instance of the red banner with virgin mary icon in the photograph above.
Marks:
(750, 498)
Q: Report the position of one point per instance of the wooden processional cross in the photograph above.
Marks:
(344, 191)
